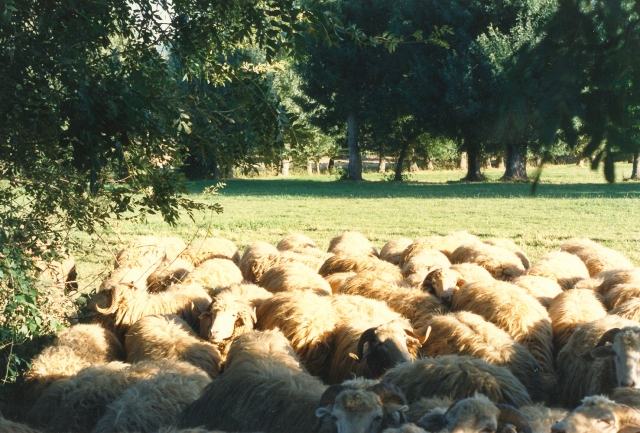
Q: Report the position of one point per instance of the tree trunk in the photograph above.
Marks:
(330, 165)
(382, 167)
(501, 162)
(230, 171)
(463, 161)
(430, 166)
(516, 162)
(355, 159)
(413, 167)
(634, 171)
(217, 175)
(473, 163)
(309, 167)
(284, 171)
(318, 167)
(487, 162)
(403, 153)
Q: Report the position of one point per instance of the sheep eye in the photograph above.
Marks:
(536, 369)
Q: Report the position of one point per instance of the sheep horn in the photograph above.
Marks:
(330, 394)
(115, 298)
(511, 415)
(367, 336)
(421, 339)
(628, 416)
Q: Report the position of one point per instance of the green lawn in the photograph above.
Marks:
(570, 201)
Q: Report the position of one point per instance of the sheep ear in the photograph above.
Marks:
(321, 412)
(461, 282)
(433, 422)
(253, 315)
(602, 352)
(367, 350)
(427, 283)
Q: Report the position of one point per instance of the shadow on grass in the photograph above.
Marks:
(343, 189)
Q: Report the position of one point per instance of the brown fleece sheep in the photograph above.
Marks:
(151, 404)
(621, 294)
(392, 250)
(571, 309)
(266, 345)
(7, 426)
(296, 242)
(596, 257)
(515, 312)
(627, 396)
(629, 310)
(565, 268)
(77, 403)
(541, 418)
(215, 273)
(465, 333)
(360, 264)
(129, 305)
(148, 252)
(457, 377)
(167, 273)
(211, 248)
(542, 288)
(169, 337)
(292, 277)
(356, 307)
(502, 264)
(608, 280)
(257, 259)
(337, 280)
(75, 348)
(423, 262)
(420, 244)
(508, 244)
(415, 305)
(134, 277)
(449, 243)
(598, 414)
(444, 282)
(60, 274)
(352, 244)
(586, 363)
(307, 320)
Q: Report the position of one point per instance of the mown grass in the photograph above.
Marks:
(570, 201)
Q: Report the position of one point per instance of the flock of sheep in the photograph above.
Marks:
(445, 333)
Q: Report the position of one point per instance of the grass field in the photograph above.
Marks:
(570, 201)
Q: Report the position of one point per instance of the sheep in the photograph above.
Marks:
(359, 264)
(508, 244)
(599, 414)
(608, 280)
(421, 264)
(420, 244)
(292, 277)
(465, 333)
(135, 277)
(541, 418)
(392, 250)
(502, 264)
(296, 242)
(352, 244)
(169, 337)
(359, 308)
(211, 248)
(542, 288)
(596, 257)
(7, 426)
(215, 273)
(415, 305)
(406, 428)
(167, 273)
(307, 320)
(444, 282)
(621, 294)
(515, 312)
(77, 403)
(60, 274)
(627, 396)
(284, 400)
(629, 310)
(270, 345)
(449, 243)
(337, 280)
(313, 259)
(151, 404)
(257, 259)
(148, 252)
(563, 267)
(587, 365)
(571, 309)
(128, 305)
(74, 348)
(457, 377)
(475, 414)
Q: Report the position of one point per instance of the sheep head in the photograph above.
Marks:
(624, 347)
(443, 283)
(598, 414)
(476, 415)
(225, 318)
(361, 406)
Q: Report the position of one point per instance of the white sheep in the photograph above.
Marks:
(292, 277)
(596, 257)
(502, 264)
(214, 274)
(563, 267)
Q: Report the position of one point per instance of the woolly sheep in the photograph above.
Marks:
(444, 282)
(128, 305)
(620, 294)
(417, 246)
(134, 277)
(211, 248)
(465, 333)
(215, 273)
(284, 400)
(627, 396)
(360, 264)
(77, 403)
(629, 310)
(296, 242)
(337, 280)
(457, 377)
(508, 244)
(422, 263)
(392, 250)
(292, 277)
(267, 345)
(415, 305)
(7, 426)
(598, 414)
(169, 337)
(356, 307)
(60, 274)
(167, 273)
(608, 280)
(541, 418)
(257, 259)
(596, 257)
(148, 252)
(542, 288)
(352, 244)
(474, 415)
(502, 264)
(151, 404)
(74, 348)
(571, 309)
(563, 267)
(587, 365)
(307, 320)
(407, 428)
(445, 244)
(516, 313)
